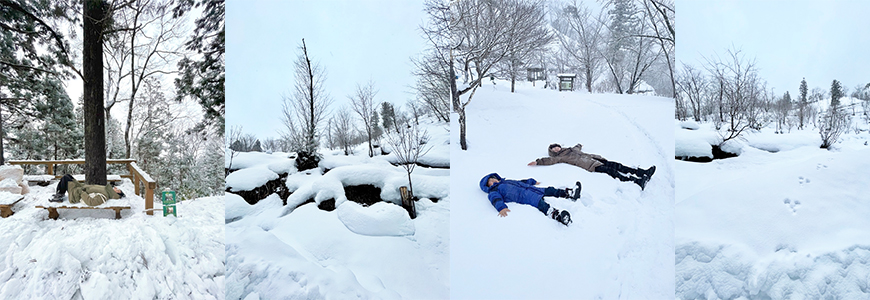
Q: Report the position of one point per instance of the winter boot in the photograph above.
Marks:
(561, 216)
(56, 198)
(648, 173)
(574, 194)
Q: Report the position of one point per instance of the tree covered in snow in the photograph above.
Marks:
(363, 104)
(581, 35)
(836, 93)
(802, 103)
(305, 109)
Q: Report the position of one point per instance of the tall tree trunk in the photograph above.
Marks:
(2, 157)
(92, 67)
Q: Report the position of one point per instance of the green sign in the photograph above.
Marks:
(168, 203)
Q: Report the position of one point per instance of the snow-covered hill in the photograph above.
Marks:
(87, 254)
(783, 220)
(299, 251)
(621, 240)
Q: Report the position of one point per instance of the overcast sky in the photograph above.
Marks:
(790, 40)
(355, 41)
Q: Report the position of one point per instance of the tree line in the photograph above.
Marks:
(728, 92)
(127, 54)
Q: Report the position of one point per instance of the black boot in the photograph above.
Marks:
(641, 182)
(575, 193)
(648, 173)
(561, 216)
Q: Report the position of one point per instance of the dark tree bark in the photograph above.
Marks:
(92, 67)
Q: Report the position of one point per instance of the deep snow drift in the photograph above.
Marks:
(299, 251)
(87, 254)
(783, 220)
(621, 241)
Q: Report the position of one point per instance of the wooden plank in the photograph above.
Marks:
(52, 210)
(149, 201)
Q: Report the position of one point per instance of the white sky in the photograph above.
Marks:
(818, 40)
(354, 41)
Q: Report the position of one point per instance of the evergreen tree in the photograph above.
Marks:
(257, 147)
(376, 129)
(836, 93)
(389, 115)
(803, 102)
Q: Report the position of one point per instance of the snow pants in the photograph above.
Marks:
(615, 170)
(543, 206)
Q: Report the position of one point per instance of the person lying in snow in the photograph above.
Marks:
(525, 192)
(594, 163)
(90, 194)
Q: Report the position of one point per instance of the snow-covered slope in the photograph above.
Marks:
(353, 252)
(621, 240)
(87, 254)
(784, 220)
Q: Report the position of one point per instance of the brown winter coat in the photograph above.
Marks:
(572, 156)
(90, 194)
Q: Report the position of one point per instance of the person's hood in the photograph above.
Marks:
(554, 153)
(483, 186)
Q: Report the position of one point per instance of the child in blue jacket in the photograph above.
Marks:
(502, 190)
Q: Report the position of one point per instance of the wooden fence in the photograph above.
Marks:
(137, 175)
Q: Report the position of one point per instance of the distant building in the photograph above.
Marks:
(566, 81)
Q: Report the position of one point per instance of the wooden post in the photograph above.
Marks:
(149, 199)
(407, 202)
(49, 168)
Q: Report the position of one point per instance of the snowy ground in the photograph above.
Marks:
(87, 254)
(621, 241)
(783, 220)
(353, 252)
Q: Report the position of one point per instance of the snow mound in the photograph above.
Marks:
(250, 178)
(278, 162)
(724, 272)
(379, 219)
(88, 254)
(690, 125)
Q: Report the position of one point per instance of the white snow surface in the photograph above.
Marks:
(784, 220)
(353, 252)
(87, 254)
(621, 241)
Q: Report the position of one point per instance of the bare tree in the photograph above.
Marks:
(409, 143)
(692, 85)
(433, 84)
(833, 123)
(145, 33)
(343, 130)
(581, 37)
(740, 89)
(527, 33)
(660, 14)
(305, 109)
(363, 104)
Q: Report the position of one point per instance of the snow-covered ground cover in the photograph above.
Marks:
(299, 251)
(87, 254)
(783, 220)
(621, 241)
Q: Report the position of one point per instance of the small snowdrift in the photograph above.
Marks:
(785, 219)
(89, 254)
(353, 252)
(621, 237)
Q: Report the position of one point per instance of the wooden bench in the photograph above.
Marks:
(7, 200)
(114, 204)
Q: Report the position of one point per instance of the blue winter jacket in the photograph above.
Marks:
(506, 190)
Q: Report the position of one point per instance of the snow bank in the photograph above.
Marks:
(88, 254)
(379, 219)
(250, 178)
(278, 162)
(784, 220)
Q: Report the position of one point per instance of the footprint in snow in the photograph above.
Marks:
(802, 180)
(821, 166)
(792, 205)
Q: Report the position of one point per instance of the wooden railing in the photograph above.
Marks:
(137, 175)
